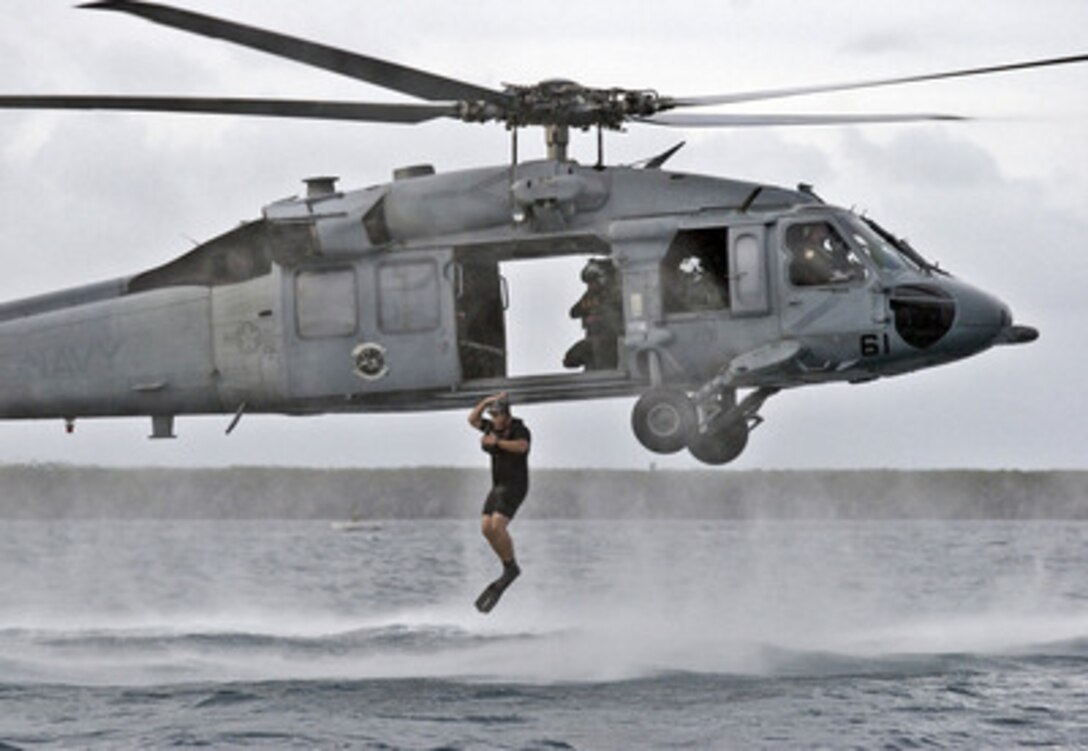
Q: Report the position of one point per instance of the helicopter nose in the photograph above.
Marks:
(982, 321)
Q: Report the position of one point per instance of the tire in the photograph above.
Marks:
(720, 447)
(663, 420)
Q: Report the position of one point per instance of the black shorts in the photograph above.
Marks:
(505, 500)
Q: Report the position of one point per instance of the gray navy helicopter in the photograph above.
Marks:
(705, 296)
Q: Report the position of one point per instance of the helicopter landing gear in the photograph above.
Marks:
(714, 428)
(720, 446)
(664, 419)
(723, 429)
(726, 425)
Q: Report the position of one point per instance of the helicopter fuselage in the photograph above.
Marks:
(393, 298)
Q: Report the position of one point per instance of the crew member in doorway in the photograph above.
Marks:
(507, 439)
(601, 311)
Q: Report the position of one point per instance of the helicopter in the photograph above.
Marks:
(393, 298)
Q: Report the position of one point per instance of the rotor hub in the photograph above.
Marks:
(561, 102)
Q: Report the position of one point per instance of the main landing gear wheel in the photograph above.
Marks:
(663, 420)
(720, 446)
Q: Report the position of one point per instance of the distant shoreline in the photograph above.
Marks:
(50, 491)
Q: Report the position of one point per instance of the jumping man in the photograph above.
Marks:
(507, 440)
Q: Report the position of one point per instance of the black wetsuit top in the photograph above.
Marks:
(508, 469)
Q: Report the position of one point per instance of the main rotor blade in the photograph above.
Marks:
(382, 73)
(714, 120)
(298, 108)
(752, 96)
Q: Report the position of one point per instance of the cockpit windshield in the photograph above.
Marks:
(878, 246)
(912, 257)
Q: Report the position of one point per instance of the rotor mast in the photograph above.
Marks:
(557, 139)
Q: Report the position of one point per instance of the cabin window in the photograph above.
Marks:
(325, 303)
(695, 272)
(819, 256)
(408, 297)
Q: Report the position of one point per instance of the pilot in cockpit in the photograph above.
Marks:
(820, 256)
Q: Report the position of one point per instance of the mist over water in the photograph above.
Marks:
(741, 626)
(144, 602)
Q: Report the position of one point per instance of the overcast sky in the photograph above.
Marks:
(1000, 201)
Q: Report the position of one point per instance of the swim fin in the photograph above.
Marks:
(489, 598)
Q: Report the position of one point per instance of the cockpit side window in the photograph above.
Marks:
(819, 256)
(695, 272)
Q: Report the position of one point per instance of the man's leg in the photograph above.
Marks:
(494, 528)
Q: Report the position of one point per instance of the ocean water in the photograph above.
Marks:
(620, 634)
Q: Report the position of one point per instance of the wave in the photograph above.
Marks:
(526, 646)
